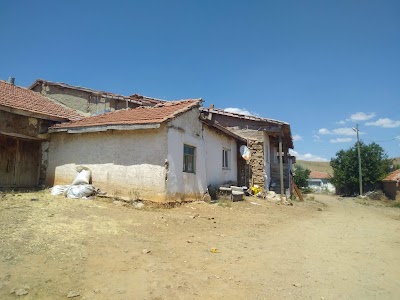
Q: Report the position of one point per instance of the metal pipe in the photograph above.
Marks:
(359, 161)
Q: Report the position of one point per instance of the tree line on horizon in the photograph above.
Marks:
(375, 166)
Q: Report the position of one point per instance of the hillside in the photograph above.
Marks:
(325, 167)
(316, 166)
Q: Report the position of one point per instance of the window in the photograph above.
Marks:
(266, 151)
(189, 159)
(226, 153)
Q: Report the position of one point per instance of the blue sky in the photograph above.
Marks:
(322, 66)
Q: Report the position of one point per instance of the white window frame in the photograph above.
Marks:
(267, 153)
(189, 160)
(226, 158)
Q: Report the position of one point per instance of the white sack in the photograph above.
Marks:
(59, 189)
(80, 191)
(82, 178)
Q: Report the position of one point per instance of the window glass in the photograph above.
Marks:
(225, 158)
(189, 159)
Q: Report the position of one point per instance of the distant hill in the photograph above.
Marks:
(316, 166)
(325, 167)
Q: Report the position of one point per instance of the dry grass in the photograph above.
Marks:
(106, 250)
(316, 166)
(384, 202)
(325, 166)
(395, 203)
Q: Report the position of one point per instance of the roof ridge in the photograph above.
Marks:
(95, 91)
(132, 116)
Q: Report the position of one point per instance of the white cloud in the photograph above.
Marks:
(324, 131)
(360, 116)
(307, 156)
(344, 131)
(316, 138)
(340, 140)
(297, 137)
(337, 131)
(357, 117)
(241, 111)
(385, 123)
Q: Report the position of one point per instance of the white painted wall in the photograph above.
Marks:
(186, 129)
(131, 163)
(123, 163)
(267, 160)
(215, 142)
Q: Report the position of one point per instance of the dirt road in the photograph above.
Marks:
(324, 248)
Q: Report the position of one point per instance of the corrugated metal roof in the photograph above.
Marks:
(241, 116)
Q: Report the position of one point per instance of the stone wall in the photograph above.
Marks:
(257, 162)
(29, 126)
(82, 101)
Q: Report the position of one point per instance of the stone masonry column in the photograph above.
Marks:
(257, 162)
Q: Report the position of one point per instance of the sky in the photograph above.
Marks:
(322, 66)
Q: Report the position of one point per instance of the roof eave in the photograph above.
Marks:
(33, 114)
(225, 131)
(101, 128)
(75, 128)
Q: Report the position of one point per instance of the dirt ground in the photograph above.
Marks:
(324, 248)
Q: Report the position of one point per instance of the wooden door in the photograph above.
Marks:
(8, 153)
(19, 164)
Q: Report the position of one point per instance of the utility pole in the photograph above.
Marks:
(359, 159)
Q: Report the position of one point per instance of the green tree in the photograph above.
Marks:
(301, 175)
(375, 165)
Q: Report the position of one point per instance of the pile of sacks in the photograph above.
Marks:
(80, 187)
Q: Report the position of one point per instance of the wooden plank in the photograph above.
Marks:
(8, 152)
(298, 192)
(28, 161)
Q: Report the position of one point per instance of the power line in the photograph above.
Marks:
(389, 140)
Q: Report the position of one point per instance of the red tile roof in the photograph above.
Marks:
(319, 175)
(394, 176)
(140, 115)
(15, 97)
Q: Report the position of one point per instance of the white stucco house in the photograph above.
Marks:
(160, 153)
(269, 141)
(320, 182)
